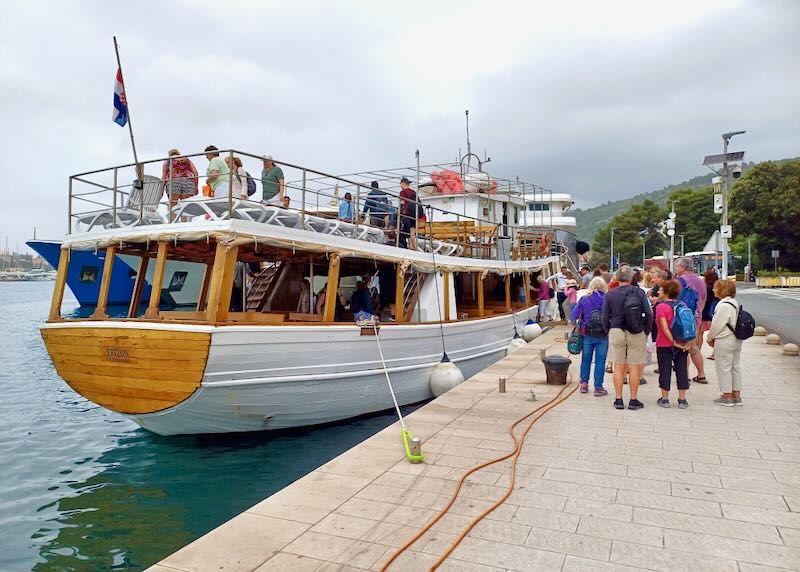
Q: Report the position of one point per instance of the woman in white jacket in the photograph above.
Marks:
(727, 348)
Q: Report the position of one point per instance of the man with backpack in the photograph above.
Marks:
(693, 294)
(376, 206)
(627, 318)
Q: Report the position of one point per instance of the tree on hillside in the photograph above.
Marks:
(695, 218)
(766, 202)
(644, 216)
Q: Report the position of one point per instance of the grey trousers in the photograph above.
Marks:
(727, 351)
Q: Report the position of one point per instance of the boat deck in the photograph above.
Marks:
(707, 488)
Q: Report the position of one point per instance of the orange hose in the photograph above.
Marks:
(515, 454)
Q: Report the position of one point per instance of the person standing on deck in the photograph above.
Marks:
(693, 294)
(272, 181)
(346, 208)
(376, 206)
(408, 215)
(217, 173)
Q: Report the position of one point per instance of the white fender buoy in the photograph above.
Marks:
(760, 331)
(445, 377)
(531, 331)
(514, 345)
(791, 350)
(773, 339)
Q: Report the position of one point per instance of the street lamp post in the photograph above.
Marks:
(682, 252)
(726, 174)
(613, 228)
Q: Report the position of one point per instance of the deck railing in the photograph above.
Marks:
(126, 196)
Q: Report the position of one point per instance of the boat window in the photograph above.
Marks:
(88, 274)
(538, 207)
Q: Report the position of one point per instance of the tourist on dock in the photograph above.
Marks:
(216, 173)
(671, 353)
(588, 314)
(239, 179)
(346, 208)
(693, 294)
(409, 213)
(180, 175)
(272, 181)
(586, 277)
(545, 293)
(627, 340)
(603, 268)
(727, 347)
(376, 206)
(361, 302)
(710, 278)
(571, 292)
(559, 279)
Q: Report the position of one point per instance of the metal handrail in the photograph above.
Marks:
(317, 183)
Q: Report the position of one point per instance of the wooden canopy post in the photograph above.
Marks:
(221, 286)
(480, 295)
(508, 292)
(105, 282)
(158, 280)
(203, 295)
(331, 289)
(446, 290)
(138, 286)
(61, 282)
(526, 277)
(400, 286)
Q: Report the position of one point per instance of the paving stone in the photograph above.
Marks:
(706, 524)
(738, 549)
(569, 543)
(664, 560)
(578, 564)
(616, 530)
(686, 505)
(774, 502)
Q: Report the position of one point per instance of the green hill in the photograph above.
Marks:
(590, 220)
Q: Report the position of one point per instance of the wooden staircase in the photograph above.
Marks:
(258, 293)
(411, 288)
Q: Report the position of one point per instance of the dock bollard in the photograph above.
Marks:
(501, 384)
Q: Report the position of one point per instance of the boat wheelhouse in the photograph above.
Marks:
(256, 351)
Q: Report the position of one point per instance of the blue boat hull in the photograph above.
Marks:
(86, 271)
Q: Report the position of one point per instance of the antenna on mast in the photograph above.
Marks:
(469, 145)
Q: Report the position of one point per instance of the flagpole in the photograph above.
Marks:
(128, 107)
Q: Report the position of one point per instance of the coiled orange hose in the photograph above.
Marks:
(515, 454)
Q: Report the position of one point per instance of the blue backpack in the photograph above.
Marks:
(688, 296)
(684, 327)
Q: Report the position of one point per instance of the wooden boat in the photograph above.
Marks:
(269, 364)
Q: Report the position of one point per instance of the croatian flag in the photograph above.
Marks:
(120, 115)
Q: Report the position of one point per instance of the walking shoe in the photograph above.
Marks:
(619, 404)
(724, 401)
(737, 401)
(635, 404)
(642, 381)
(683, 404)
(584, 387)
(701, 380)
(600, 392)
(663, 402)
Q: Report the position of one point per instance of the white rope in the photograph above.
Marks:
(388, 381)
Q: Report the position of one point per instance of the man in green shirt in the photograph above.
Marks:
(217, 173)
(272, 180)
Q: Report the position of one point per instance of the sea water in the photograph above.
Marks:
(82, 488)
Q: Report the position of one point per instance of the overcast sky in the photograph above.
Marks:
(602, 100)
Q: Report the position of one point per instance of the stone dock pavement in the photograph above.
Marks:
(709, 488)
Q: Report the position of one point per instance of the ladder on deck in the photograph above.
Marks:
(259, 290)
(411, 289)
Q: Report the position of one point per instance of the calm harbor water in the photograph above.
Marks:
(84, 489)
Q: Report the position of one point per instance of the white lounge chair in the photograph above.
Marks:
(218, 209)
(142, 208)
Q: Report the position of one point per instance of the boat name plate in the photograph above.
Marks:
(117, 354)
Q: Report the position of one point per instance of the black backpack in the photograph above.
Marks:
(594, 326)
(745, 324)
(633, 311)
(251, 185)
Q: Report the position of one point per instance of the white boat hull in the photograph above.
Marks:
(265, 378)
